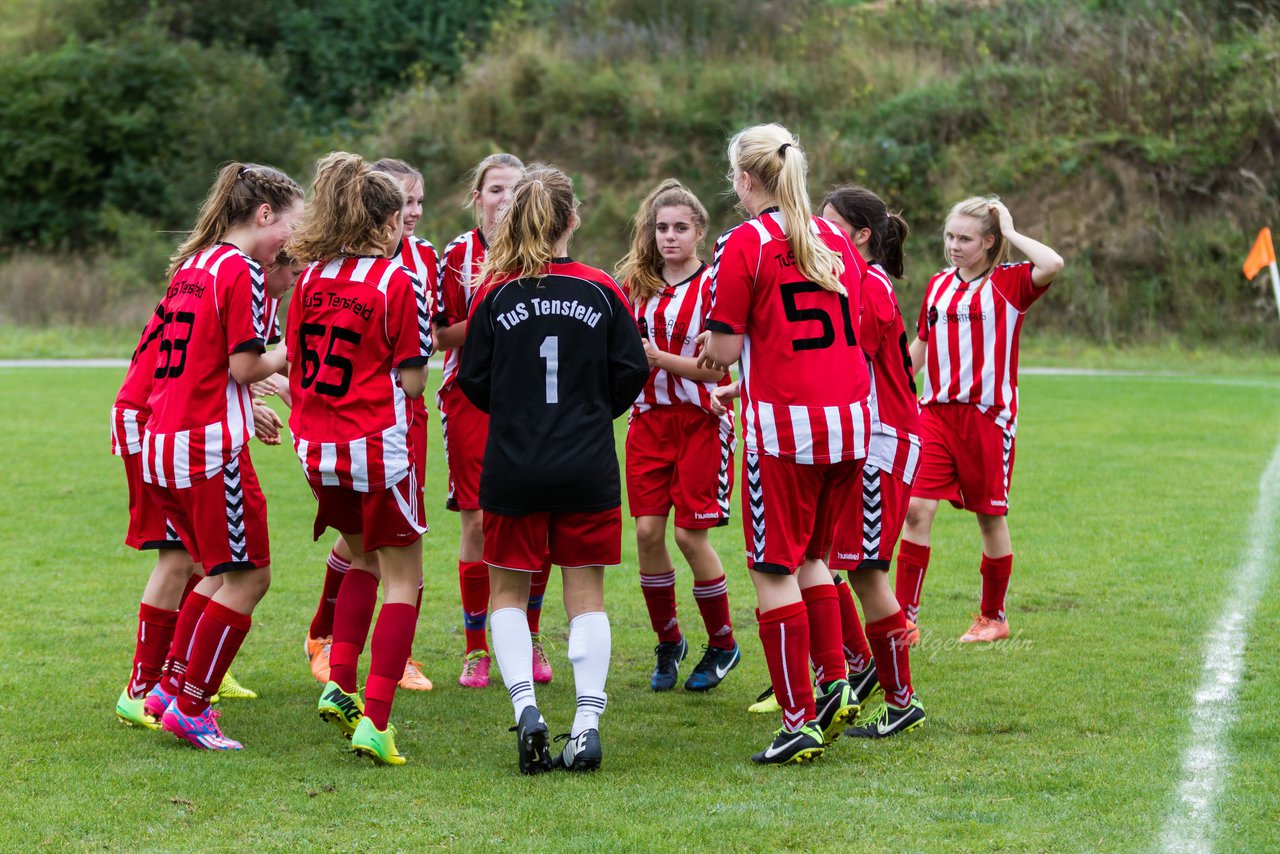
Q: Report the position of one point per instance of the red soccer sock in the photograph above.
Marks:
(213, 647)
(392, 640)
(713, 601)
(660, 598)
(155, 634)
(335, 570)
(352, 615)
(784, 633)
(195, 579)
(913, 561)
(995, 584)
(537, 589)
(473, 577)
(857, 653)
(180, 648)
(888, 640)
(825, 647)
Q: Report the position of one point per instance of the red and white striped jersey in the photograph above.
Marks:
(804, 378)
(419, 257)
(129, 413)
(216, 306)
(459, 282)
(895, 411)
(972, 330)
(672, 320)
(353, 323)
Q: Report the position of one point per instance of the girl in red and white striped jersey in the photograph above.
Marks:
(892, 458)
(359, 340)
(678, 453)
(786, 293)
(218, 316)
(967, 352)
(419, 257)
(465, 428)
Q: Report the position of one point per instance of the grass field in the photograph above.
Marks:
(1132, 500)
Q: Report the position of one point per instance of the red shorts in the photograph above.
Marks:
(967, 459)
(573, 539)
(149, 528)
(222, 521)
(883, 511)
(383, 517)
(677, 456)
(418, 440)
(793, 511)
(466, 430)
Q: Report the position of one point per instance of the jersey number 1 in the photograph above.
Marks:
(550, 350)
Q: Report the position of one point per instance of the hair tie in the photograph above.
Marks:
(782, 149)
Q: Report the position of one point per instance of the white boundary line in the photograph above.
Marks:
(1190, 826)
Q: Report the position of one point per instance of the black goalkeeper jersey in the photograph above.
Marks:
(553, 360)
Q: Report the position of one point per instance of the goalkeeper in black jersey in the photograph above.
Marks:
(553, 355)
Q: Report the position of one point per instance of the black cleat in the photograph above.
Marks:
(667, 670)
(835, 707)
(581, 753)
(890, 721)
(532, 741)
(865, 683)
(803, 745)
(715, 665)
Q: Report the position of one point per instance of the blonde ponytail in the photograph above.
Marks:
(641, 269)
(350, 211)
(775, 160)
(541, 212)
(240, 189)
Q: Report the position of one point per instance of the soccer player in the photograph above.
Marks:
(892, 458)
(967, 348)
(465, 427)
(553, 355)
(216, 318)
(678, 453)
(419, 256)
(786, 289)
(359, 341)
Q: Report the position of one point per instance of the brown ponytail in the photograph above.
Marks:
(641, 269)
(240, 189)
(774, 158)
(350, 211)
(862, 208)
(541, 211)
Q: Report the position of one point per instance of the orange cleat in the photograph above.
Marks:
(413, 679)
(985, 630)
(318, 654)
(912, 636)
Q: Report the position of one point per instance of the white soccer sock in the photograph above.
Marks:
(513, 648)
(589, 648)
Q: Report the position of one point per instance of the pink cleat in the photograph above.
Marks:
(541, 667)
(985, 630)
(475, 669)
(157, 701)
(198, 730)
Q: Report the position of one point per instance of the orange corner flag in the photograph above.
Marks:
(1261, 255)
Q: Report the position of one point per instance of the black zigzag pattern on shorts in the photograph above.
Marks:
(872, 512)
(722, 478)
(234, 492)
(755, 499)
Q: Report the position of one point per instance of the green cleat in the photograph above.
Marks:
(233, 690)
(343, 710)
(131, 712)
(378, 745)
(765, 704)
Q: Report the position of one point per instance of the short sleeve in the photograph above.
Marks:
(732, 277)
(1014, 283)
(922, 325)
(408, 325)
(879, 310)
(451, 303)
(477, 353)
(245, 315)
(628, 364)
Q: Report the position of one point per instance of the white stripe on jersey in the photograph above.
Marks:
(182, 459)
(835, 433)
(359, 465)
(803, 434)
(768, 429)
(329, 464)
